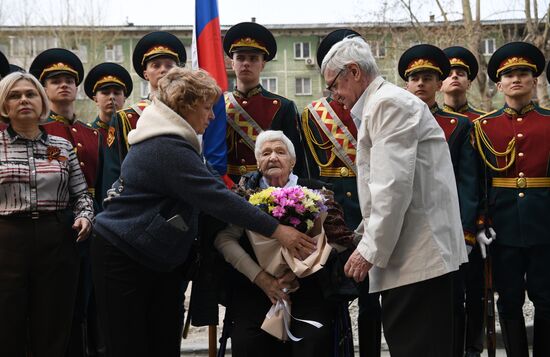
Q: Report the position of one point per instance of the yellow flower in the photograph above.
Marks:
(262, 197)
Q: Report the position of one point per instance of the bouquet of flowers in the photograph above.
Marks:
(295, 206)
(305, 210)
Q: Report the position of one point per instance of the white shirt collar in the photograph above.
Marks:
(292, 181)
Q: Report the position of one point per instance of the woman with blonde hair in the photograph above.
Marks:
(43, 201)
(149, 221)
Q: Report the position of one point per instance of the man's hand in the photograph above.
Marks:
(484, 238)
(83, 226)
(298, 244)
(271, 287)
(357, 267)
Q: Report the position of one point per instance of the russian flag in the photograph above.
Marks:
(207, 53)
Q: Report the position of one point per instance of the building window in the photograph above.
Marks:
(81, 51)
(378, 48)
(144, 89)
(488, 46)
(301, 50)
(303, 86)
(42, 43)
(113, 53)
(270, 84)
(30, 47)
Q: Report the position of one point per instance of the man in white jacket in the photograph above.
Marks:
(411, 235)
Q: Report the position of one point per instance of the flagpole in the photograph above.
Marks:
(212, 340)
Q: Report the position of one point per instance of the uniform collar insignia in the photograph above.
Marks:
(511, 111)
(256, 90)
(462, 109)
(434, 108)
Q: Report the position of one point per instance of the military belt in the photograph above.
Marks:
(521, 182)
(336, 172)
(240, 170)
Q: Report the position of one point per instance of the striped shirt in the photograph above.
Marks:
(41, 175)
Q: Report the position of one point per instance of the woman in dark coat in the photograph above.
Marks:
(149, 221)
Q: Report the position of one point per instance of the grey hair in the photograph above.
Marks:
(350, 50)
(273, 135)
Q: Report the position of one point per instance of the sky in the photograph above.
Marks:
(181, 12)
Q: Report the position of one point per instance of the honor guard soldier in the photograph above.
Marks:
(60, 72)
(108, 85)
(514, 144)
(154, 55)
(424, 67)
(4, 70)
(250, 108)
(464, 68)
(331, 136)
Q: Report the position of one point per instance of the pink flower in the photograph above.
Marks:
(278, 212)
(294, 221)
(300, 209)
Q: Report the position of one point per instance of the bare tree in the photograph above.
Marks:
(473, 34)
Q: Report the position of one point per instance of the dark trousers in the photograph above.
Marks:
(249, 306)
(369, 322)
(469, 305)
(137, 307)
(418, 318)
(516, 270)
(474, 283)
(38, 279)
(78, 341)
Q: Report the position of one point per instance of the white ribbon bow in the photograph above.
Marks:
(283, 305)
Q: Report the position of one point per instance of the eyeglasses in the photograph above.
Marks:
(331, 86)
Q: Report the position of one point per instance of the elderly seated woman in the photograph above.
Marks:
(144, 234)
(254, 290)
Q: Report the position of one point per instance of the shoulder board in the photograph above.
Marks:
(477, 111)
(144, 103)
(87, 126)
(449, 113)
(543, 110)
(265, 93)
(125, 111)
(489, 115)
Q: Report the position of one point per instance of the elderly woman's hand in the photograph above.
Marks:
(83, 226)
(271, 287)
(298, 244)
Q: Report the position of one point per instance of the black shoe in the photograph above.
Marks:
(472, 354)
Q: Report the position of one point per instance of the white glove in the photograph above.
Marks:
(484, 241)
